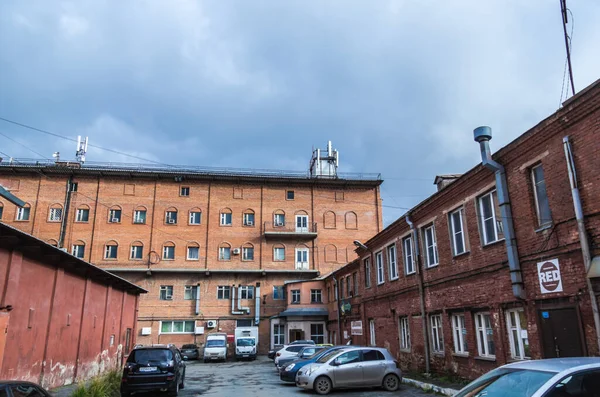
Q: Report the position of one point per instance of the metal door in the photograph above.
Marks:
(301, 223)
(561, 333)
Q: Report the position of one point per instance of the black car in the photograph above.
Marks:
(274, 351)
(153, 368)
(13, 388)
(190, 352)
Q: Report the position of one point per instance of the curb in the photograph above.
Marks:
(446, 391)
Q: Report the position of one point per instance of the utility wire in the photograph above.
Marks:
(25, 146)
(564, 10)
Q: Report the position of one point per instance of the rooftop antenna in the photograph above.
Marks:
(56, 155)
(82, 146)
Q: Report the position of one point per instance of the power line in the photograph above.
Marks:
(25, 146)
(564, 10)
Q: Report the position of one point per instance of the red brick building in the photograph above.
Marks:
(62, 319)
(440, 295)
(213, 247)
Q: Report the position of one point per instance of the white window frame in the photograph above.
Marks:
(302, 265)
(296, 292)
(171, 216)
(184, 191)
(112, 215)
(379, 268)
(190, 292)
(23, 213)
(392, 254)
(404, 327)
(278, 334)
(407, 255)
(168, 293)
(302, 225)
(275, 257)
(79, 215)
(245, 251)
(431, 262)
(223, 290)
(137, 217)
(226, 219)
(55, 215)
(108, 249)
(76, 248)
(437, 333)
(178, 321)
(279, 220)
(166, 249)
(536, 183)
(189, 257)
(367, 264)
(518, 330)
(486, 239)
(246, 292)
(192, 216)
(222, 251)
(458, 233)
(459, 334)
(316, 293)
(246, 219)
(135, 248)
(482, 336)
(372, 336)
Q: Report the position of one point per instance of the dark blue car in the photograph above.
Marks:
(290, 375)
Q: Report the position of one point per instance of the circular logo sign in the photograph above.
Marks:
(549, 276)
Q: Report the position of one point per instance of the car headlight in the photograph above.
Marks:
(290, 367)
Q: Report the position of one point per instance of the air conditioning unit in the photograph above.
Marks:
(169, 297)
(146, 331)
(171, 221)
(115, 220)
(236, 251)
(249, 223)
(278, 223)
(199, 331)
(211, 323)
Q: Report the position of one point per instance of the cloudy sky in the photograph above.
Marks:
(398, 86)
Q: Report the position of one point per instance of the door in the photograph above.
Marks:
(301, 223)
(561, 333)
(301, 258)
(373, 367)
(296, 334)
(348, 370)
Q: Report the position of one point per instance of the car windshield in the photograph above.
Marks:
(216, 343)
(189, 347)
(327, 356)
(245, 342)
(507, 382)
(149, 356)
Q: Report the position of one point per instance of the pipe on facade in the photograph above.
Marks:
(257, 305)
(197, 299)
(421, 292)
(583, 237)
(336, 295)
(233, 311)
(65, 215)
(482, 135)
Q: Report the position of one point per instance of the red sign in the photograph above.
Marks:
(549, 276)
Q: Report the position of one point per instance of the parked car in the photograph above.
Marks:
(555, 377)
(153, 368)
(306, 352)
(303, 342)
(288, 373)
(190, 352)
(351, 368)
(274, 351)
(288, 351)
(13, 388)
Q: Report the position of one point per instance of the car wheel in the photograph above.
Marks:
(323, 385)
(391, 382)
(174, 391)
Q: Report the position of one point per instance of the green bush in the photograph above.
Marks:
(107, 385)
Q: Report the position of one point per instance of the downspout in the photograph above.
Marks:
(583, 237)
(257, 305)
(63, 225)
(197, 299)
(337, 302)
(421, 292)
(483, 136)
(233, 311)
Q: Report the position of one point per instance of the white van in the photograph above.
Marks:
(215, 347)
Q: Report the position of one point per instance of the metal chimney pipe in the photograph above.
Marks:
(482, 135)
(257, 305)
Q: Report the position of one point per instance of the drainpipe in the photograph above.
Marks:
(421, 292)
(63, 225)
(483, 135)
(337, 302)
(233, 311)
(197, 299)
(257, 305)
(583, 238)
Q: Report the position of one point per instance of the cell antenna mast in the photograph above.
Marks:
(82, 146)
(564, 10)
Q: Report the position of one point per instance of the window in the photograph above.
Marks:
(248, 253)
(226, 218)
(22, 214)
(137, 251)
(295, 296)
(315, 296)
(246, 292)
(248, 219)
(542, 206)
(355, 282)
(177, 327)
(329, 293)
(302, 259)
(139, 216)
(342, 285)
(393, 266)
(430, 246)
(190, 292)
(82, 215)
(166, 293)
(55, 214)
(278, 334)
(317, 333)
(457, 230)
(193, 253)
(348, 287)
(184, 191)
(195, 217)
(491, 226)
(409, 263)
(78, 250)
(404, 333)
(171, 217)
(278, 292)
(459, 334)
(372, 340)
(517, 334)
(73, 186)
(379, 262)
(351, 220)
(244, 323)
(279, 220)
(329, 221)
(367, 273)
(114, 216)
(279, 253)
(335, 291)
(437, 336)
(110, 251)
(225, 253)
(289, 195)
(223, 292)
(169, 252)
(485, 335)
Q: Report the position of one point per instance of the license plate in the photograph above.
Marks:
(148, 369)
(246, 355)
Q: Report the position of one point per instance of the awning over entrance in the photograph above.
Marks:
(309, 311)
(594, 268)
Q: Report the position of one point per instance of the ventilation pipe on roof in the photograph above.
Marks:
(483, 135)
(257, 304)
(233, 311)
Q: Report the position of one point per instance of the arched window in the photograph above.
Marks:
(22, 213)
(351, 220)
(247, 252)
(139, 215)
(224, 251)
(226, 217)
(171, 216)
(78, 249)
(279, 252)
(114, 214)
(168, 251)
(331, 253)
(83, 213)
(110, 249)
(195, 217)
(279, 218)
(248, 218)
(53, 242)
(193, 251)
(55, 213)
(329, 220)
(137, 251)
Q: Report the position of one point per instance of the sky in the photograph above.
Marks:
(397, 86)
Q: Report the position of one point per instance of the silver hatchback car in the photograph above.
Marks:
(351, 368)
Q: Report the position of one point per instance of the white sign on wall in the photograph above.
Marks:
(356, 328)
(549, 276)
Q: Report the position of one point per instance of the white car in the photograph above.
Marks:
(555, 377)
(288, 351)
